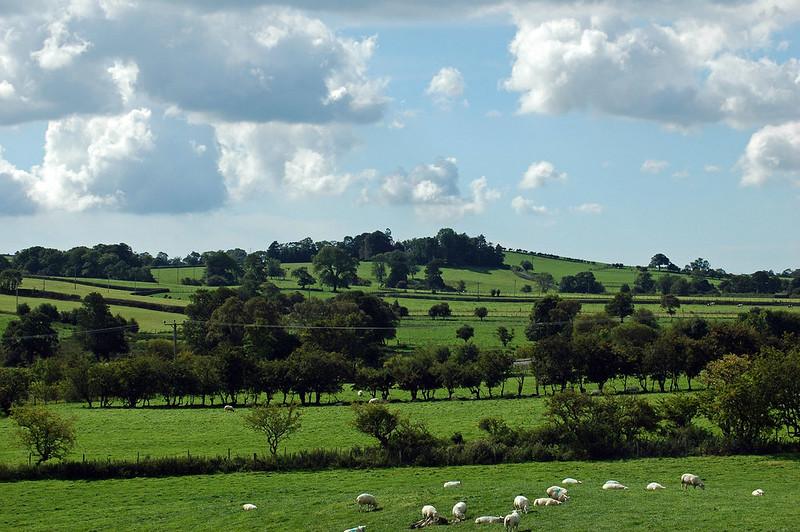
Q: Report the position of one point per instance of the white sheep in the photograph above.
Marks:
(429, 512)
(688, 479)
(452, 484)
(613, 485)
(460, 511)
(360, 528)
(227, 408)
(360, 393)
(521, 503)
(758, 493)
(558, 493)
(489, 520)
(570, 482)
(511, 522)
(546, 501)
(365, 499)
(653, 486)
(374, 400)
(247, 507)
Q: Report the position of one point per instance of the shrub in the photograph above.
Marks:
(43, 432)
(277, 423)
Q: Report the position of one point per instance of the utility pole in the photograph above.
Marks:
(174, 326)
(16, 289)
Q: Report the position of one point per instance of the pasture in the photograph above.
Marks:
(324, 501)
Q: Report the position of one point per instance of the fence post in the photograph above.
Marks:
(188, 454)
(137, 457)
(84, 458)
(229, 453)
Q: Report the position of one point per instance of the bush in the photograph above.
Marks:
(43, 432)
(375, 420)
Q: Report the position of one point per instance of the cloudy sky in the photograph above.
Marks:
(604, 130)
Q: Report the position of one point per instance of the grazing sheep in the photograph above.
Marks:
(758, 493)
(569, 481)
(227, 408)
(365, 499)
(247, 507)
(360, 393)
(687, 479)
(521, 503)
(511, 522)
(653, 486)
(460, 511)
(613, 485)
(374, 400)
(452, 484)
(558, 493)
(429, 512)
(489, 520)
(546, 501)
(360, 528)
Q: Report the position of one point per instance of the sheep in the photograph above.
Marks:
(360, 528)
(374, 400)
(569, 481)
(758, 493)
(653, 486)
(365, 499)
(460, 511)
(511, 522)
(227, 408)
(452, 484)
(489, 520)
(521, 503)
(614, 485)
(360, 393)
(429, 512)
(688, 479)
(247, 507)
(558, 493)
(546, 501)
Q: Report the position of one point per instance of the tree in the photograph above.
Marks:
(465, 332)
(481, 312)
(545, 281)
(375, 420)
(551, 315)
(304, 278)
(335, 267)
(526, 289)
(670, 303)
(621, 305)
(14, 387)
(379, 270)
(10, 279)
(99, 331)
(28, 338)
(276, 422)
(659, 260)
(46, 434)
(644, 283)
(504, 335)
(439, 310)
(526, 265)
(433, 275)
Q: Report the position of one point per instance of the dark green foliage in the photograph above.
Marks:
(99, 331)
(581, 283)
(115, 261)
(14, 386)
(621, 305)
(335, 267)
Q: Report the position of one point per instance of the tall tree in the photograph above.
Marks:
(335, 267)
(670, 303)
(659, 260)
(304, 278)
(433, 275)
(621, 305)
(99, 331)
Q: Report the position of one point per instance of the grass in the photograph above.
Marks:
(67, 287)
(324, 501)
(149, 320)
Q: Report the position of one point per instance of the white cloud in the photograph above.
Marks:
(711, 169)
(652, 166)
(434, 190)
(526, 206)
(681, 174)
(60, 47)
(125, 76)
(6, 90)
(589, 208)
(773, 151)
(446, 86)
(197, 148)
(539, 174)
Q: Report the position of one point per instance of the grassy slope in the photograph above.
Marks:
(324, 501)
(67, 287)
(149, 320)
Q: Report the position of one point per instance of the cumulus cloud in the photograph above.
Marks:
(653, 166)
(588, 208)
(539, 174)
(773, 151)
(434, 190)
(446, 86)
(525, 206)
(677, 63)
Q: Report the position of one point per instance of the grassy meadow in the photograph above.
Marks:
(325, 500)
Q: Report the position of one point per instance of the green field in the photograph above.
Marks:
(149, 320)
(325, 501)
(67, 287)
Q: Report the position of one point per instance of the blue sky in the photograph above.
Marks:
(607, 131)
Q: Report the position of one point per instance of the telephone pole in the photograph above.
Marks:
(174, 326)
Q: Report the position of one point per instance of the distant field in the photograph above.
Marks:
(67, 287)
(149, 320)
(325, 500)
